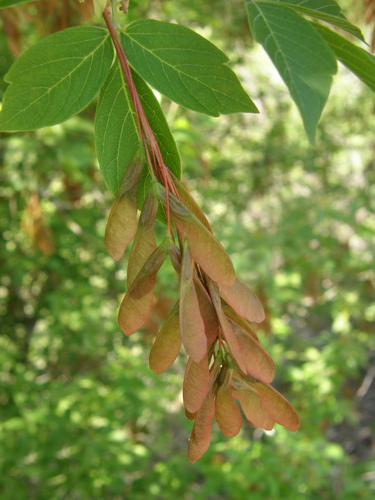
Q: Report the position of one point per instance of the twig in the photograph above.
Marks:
(150, 142)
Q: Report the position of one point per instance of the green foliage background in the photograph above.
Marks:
(82, 416)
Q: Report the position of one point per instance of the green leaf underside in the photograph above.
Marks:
(116, 133)
(302, 57)
(56, 78)
(325, 10)
(360, 62)
(4, 4)
(185, 67)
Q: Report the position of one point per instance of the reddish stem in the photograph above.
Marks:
(150, 142)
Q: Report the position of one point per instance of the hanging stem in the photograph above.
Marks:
(150, 142)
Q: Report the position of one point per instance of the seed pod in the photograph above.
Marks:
(237, 321)
(196, 384)
(144, 245)
(175, 256)
(122, 221)
(149, 211)
(137, 304)
(253, 409)
(259, 363)
(233, 343)
(167, 344)
(201, 435)
(132, 177)
(204, 248)
(243, 301)
(145, 241)
(146, 278)
(191, 204)
(211, 323)
(228, 415)
(229, 334)
(280, 410)
(190, 416)
(191, 322)
(134, 313)
(121, 226)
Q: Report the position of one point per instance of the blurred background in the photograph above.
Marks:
(81, 414)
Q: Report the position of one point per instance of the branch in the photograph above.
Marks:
(150, 142)
(146, 133)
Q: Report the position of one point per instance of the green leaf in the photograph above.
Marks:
(56, 78)
(360, 62)
(116, 133)
(4, 4)
(325, 10)
(159, 125)
(185, 67)
(303, 59)
(116, 136)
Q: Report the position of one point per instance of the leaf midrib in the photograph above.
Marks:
(272, 34)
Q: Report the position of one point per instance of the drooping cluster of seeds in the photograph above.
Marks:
(214, 314)
(227, 368)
